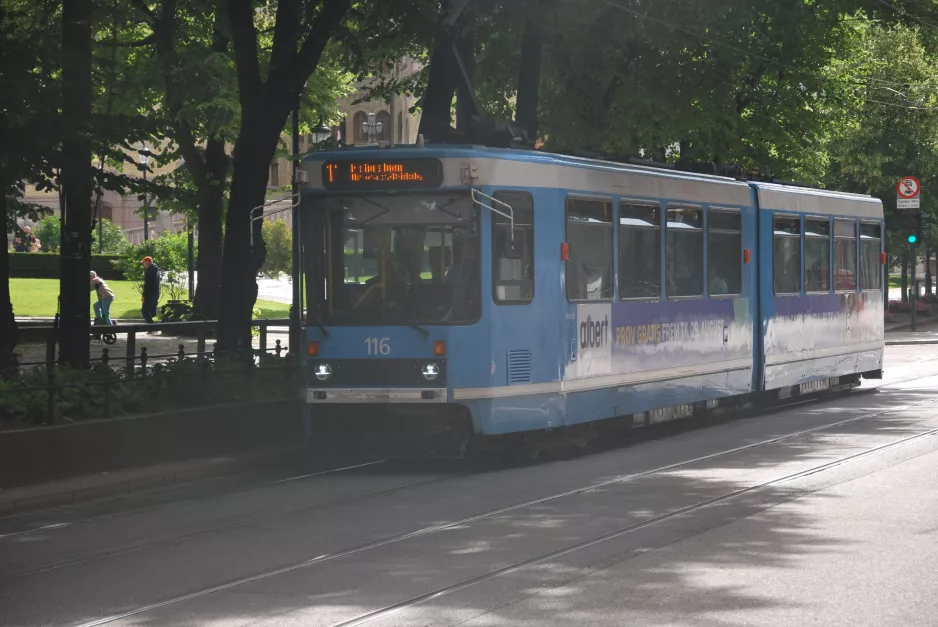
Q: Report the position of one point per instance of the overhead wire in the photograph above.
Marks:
(902, 11)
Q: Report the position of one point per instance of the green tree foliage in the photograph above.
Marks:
(889, 128)
(278, 238)
(744, 83)
(170, 253)
(49, 233)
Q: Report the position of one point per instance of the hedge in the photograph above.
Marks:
(46, 266)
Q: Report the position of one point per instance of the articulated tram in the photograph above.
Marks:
(506, 293)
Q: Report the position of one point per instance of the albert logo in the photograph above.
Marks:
(594, 334)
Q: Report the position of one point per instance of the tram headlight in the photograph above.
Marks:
(430, 372)
(323, 372)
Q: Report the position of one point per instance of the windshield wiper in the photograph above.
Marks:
(420, 329)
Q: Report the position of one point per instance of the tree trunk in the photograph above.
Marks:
(436, 118)
(529, 80)
(9, 334)
(264, 110)
(8, 330)
(253, 153)
(211, 203)
(76, 179)
(465, 45)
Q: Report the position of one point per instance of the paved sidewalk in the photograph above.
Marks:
(124, 482)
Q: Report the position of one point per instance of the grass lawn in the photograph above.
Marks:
(39, 297)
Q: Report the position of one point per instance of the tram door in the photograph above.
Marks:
(517, 347)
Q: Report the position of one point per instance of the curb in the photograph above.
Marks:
(910, 342)
(908, 327)
(215, 467)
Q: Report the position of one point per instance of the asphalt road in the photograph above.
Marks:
(823, 513)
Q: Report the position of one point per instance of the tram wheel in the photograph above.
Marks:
(526, 451)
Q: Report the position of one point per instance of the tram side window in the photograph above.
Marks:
(724, 252)
(845, 255)
(787, 254)
(639, 251)
(513, 274)
(817, 255)
(685, 251)
(871, 271)
(589, 237)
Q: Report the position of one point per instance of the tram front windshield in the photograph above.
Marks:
(405, 259)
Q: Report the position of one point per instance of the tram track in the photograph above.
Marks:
(249, 520)
(153, 506)
(681, 425)
(323, 559)
(222, 527)
(611, 535)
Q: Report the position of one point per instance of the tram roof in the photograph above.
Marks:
(771, 195)
(444, 151)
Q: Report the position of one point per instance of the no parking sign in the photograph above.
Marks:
(907, 193)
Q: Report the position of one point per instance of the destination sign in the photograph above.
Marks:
(382, 174)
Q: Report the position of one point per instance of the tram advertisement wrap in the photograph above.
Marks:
(633, 337)
(655, 336)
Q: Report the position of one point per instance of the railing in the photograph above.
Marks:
(199, 329)
(183, 379)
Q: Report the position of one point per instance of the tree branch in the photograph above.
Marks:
(148, 14)
(140, 43)
(244, 36)
(164, 30)
(321, 31)
(286, 33)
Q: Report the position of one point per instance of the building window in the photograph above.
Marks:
(358, 129)
(787, 254)
(684, 248)
(513, 264)
(274, 175)
(639, 250)
(724, 252)
(845, 255)
(817, 255)
(400, 128)
(871, 270)
(589, 240)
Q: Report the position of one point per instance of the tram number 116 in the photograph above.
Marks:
(378, 346)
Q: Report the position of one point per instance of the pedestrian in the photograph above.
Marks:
(26, 242)
(102, 308)
(151, 289)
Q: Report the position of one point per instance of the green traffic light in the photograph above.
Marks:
(912, 239)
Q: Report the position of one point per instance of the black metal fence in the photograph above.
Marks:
(46, 392)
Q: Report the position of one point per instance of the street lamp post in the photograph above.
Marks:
(372, 128)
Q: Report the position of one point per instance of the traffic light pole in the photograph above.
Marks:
(914, 285)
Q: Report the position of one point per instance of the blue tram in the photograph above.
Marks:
(519, 291)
